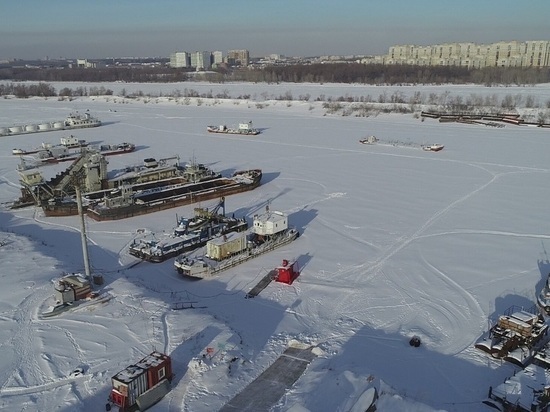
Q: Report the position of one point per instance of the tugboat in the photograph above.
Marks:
(244, 128)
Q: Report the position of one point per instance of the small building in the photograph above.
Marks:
(287, 272)
(142, 384)
(71, 288)
(227, 245)
(270, 223)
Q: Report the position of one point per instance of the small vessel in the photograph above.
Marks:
(61, 153)
(68, 142)
(269, 231)
(244, 128)
(75, 120)
(188, 235)
(78, 121)
(369, 140)
(516, 336)
(433, 147)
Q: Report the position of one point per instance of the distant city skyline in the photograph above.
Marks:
(36, 29)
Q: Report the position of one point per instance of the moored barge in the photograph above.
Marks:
(128, 201)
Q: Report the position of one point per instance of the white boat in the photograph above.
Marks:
(78, 121)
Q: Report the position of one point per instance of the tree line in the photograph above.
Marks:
(310, 73)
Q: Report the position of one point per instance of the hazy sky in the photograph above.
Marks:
(117, 28)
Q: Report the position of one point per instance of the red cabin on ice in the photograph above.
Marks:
(287, 272)
(141, 385)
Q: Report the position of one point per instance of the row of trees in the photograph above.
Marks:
(447, 100)
(42, 89)
(397, 74)
(312, 73)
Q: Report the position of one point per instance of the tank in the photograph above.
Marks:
(16, 129)
(58, 125)
(44, 126)
(31, 128)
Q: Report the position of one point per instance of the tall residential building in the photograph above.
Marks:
(217, 58)
(470, 55)
(238, 57)
(200, 60)
(179, 59)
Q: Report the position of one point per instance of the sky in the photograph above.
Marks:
(394, 242)
(33, 29)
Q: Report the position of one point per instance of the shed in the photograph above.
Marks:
(287, 272)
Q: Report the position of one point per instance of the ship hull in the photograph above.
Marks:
(74, 121)
(162, 199)
(191, 244)
(75, 155)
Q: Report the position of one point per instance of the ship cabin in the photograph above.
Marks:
(270, 223)
(71, 288)
(30, 177)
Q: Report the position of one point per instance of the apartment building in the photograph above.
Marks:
(470, 55)
(180, 59)
(238, 57)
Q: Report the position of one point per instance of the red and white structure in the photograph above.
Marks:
(287, 272)
(143, 384)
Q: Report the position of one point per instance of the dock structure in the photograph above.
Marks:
(262, 284)
(262, 393)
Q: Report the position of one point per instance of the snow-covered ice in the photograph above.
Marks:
(395, 242)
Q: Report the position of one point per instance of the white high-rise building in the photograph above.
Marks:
(179, 59)
(217, 58)
(200, 60)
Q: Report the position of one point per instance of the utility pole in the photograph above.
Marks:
(83, 236)
(77, 181)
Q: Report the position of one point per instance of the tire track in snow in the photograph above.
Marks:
(458, 318)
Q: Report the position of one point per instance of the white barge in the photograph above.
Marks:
(73, 121)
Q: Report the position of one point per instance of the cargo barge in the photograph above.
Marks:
(135, 200)
(73, 121)
(188, 235)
